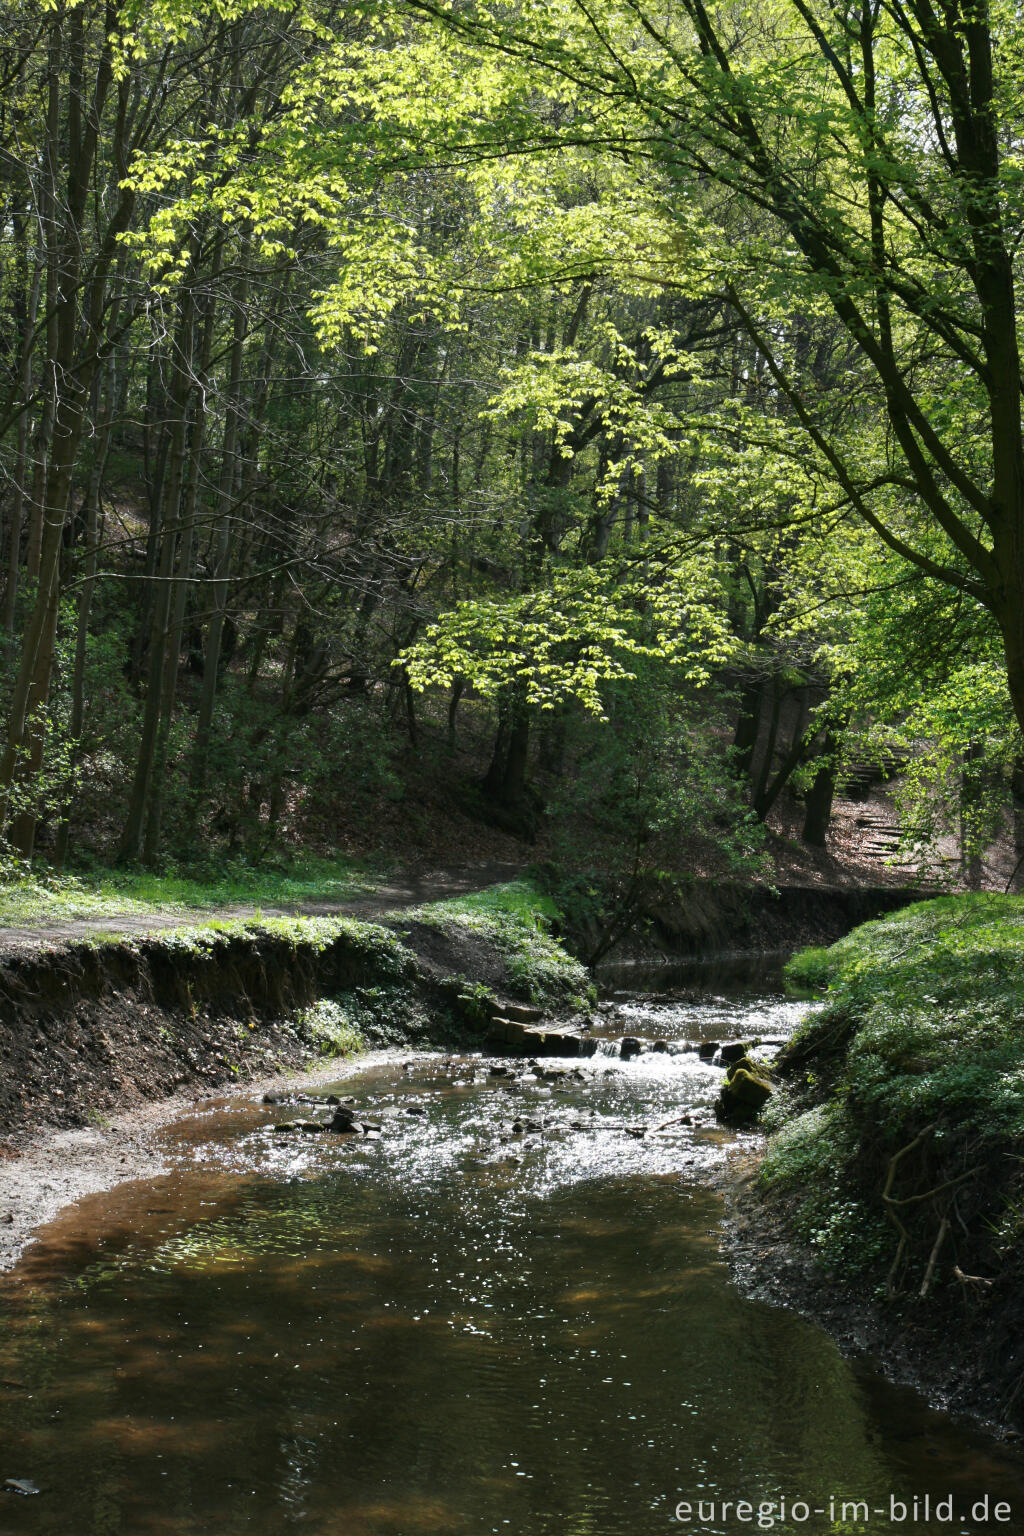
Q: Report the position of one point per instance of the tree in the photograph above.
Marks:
(876, 144)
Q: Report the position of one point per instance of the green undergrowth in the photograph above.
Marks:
(332, 1028)
(517, 920)
(900, 1122)
(406, 993)
(314, 934)
(40, 897)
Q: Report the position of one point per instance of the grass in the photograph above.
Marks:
(910, 1079)
(41, 897)
(518, 919)
(518, 899)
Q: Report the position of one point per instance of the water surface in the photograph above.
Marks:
(458, 1327)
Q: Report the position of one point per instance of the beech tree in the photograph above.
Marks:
(351, 354)
(877, 143)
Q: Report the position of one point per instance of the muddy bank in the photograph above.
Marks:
(962, 1351)
(704, 918)
(57, 1168)
(694, 919)
(101, 1043)
(104, 1042)
(88, 1030)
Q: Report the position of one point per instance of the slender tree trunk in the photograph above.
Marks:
(21, 466)
(133, 834)
(970, 797)
(1016, 881)
(93, 525)
(748, 726)
(819, 797)
(458, 688)
(229, 479)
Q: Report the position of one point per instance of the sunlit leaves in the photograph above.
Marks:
(581, 632)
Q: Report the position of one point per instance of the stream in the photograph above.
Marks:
(508, 1312)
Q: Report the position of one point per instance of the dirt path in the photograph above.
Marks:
(406, 891)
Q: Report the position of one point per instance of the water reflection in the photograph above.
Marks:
(460, 1327)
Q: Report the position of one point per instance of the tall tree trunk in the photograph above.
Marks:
(92, 514)
(132, 836)
(30, 309)
(229, 479)
(820, 795)
(748, 726)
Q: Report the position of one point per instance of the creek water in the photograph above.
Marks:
(509, 1312)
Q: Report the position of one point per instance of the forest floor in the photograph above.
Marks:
(39, 922)
(43, 909)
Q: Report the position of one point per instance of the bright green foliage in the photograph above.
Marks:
(586, 631)
(330, 1028)
(920, 1032)
(42, 898)
(516, 919)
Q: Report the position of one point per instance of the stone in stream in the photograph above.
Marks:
(731, 1052)
(281, 1097)
(742, 1097)
(522, 1013)
(558, 1042)
(708, 1049)
(508, 1032)
(415, 1109)
(661, 1046)
(630, 1047)
(745, 1064)
(22, 1485)
(343, 1121)
(524, 1039)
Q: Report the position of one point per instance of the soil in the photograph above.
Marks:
(962, 1348)
(56, 1169)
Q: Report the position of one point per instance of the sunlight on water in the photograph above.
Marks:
(507, 1313)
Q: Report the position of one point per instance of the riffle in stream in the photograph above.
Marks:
(459, 1326)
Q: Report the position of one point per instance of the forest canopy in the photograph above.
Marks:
(600, 421)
